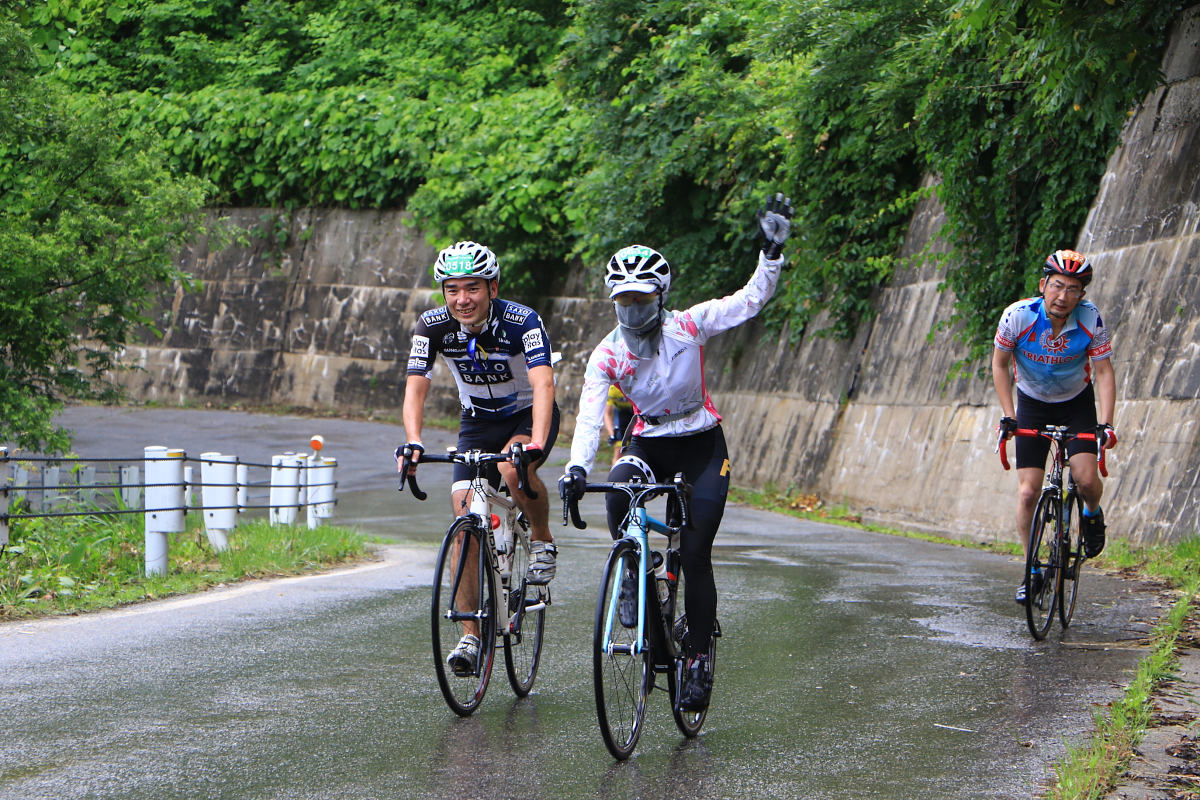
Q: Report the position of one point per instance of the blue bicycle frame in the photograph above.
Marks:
(637, 530)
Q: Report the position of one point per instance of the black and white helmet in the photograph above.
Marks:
(466, 260)
(637, 269)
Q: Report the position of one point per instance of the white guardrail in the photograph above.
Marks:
(296, 482)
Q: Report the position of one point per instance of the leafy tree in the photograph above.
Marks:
(90, 220)
(559, 131)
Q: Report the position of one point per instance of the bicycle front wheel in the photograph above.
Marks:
(1072, 557)
(526, 621)
(1042, 575)
(622, 676)
(464, 599)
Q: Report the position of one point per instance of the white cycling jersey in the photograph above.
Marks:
(672, 381)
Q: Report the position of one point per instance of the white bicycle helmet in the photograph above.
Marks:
(637, 269)
(466, 260)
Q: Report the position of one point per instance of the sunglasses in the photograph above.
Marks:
(640, 298)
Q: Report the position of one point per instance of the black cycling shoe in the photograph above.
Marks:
(697, 684)
(1093, 533)
(1022, 597)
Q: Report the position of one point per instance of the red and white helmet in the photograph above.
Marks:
(1068, 262)
(637, 269)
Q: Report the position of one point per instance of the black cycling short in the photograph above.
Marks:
(1078, 414)
(622, 418)
(491, 435)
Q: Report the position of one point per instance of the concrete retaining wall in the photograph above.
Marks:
(872, 423)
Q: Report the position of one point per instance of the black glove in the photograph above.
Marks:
(1007, 427)
(571, 484)
(410, 452)
(1106, 436)
(775, 223)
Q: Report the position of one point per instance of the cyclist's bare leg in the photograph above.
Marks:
(1029, 488)
(537, 512)
(468, 587)
(1087, 478)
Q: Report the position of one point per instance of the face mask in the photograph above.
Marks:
(637, 318)
(641, 327)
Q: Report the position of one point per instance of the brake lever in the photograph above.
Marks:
(518, 456)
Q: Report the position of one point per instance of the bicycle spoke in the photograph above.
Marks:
(1072, 555)
(1042, 575)
(621, 675)
(463, 596)
(523, 640)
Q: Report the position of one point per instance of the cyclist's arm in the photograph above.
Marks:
(416, 387)
(592, 399)
(541, 378)
(1105, 381)
(1002, 380)
(715, 316)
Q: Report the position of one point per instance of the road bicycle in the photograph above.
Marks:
(481, 577)
(631, 648)
(1055, 554)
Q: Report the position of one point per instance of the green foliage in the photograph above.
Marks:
(64, 564)
(90, 219)
(559, 132)
(1019, 121)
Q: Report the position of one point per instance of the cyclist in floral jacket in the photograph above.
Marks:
(656, 358)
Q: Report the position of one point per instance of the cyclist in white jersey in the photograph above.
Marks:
(499, 354)
(1057, 349)
(656, 358)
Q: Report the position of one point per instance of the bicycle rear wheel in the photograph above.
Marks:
(1042, 575)
(1072, 557)
(688, 722)
(622, 676)
(463, 589)
(523, 638)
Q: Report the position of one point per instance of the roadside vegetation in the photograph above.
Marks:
(65, 565)
(558, 131)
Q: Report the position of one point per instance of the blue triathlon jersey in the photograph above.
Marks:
(490, 367)
(1052, 369)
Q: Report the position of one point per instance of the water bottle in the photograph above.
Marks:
(660, 577)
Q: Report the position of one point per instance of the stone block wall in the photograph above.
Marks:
(872, 422)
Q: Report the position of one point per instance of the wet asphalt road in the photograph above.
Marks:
(853, 665)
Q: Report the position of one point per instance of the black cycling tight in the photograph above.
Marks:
(703, 458)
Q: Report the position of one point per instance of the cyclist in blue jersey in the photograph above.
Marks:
(1057, 350)
(500, 356)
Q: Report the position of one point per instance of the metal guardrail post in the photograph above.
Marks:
(4, 495)
(218, 497)
(131, 493)
(243, 486)
(285, 488)
(164, 504)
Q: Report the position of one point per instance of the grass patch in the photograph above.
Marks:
(808, 506)
(1092, 769)
(71, 564)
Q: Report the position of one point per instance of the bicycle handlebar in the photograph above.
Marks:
(639, 494)
(516, 455)
(1050, 433)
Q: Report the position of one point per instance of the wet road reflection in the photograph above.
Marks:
(853, 665)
